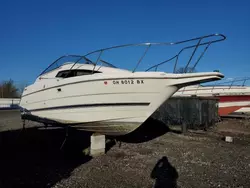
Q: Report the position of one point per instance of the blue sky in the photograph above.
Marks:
(35, 33)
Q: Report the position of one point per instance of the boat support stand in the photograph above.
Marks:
(66, 136)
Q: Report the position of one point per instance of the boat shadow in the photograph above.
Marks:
(33, 158)
(149, 130)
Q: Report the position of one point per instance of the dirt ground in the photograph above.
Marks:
(153, 154)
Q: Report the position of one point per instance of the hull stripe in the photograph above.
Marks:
(89, 105)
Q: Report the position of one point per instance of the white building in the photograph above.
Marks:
(9, 103)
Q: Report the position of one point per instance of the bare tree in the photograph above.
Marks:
(21, 86)
(8, 89)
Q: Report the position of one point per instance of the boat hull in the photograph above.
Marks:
(112, 104)
(234, 103)
(231, 99)
(106, 107)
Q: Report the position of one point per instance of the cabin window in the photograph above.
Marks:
(73, 73)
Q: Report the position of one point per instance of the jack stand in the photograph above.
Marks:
(66, 136)
(22, 130)
(120, 143)
(46, 125)
(23, 123)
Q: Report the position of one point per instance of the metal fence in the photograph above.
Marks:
(194, 112)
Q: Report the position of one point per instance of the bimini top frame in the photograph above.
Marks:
(213, 38)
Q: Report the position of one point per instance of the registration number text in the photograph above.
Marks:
(128, 81)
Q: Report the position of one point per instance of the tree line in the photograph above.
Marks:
(8, 89)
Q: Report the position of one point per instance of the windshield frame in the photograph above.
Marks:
(78, 59)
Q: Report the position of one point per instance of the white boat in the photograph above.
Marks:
(233, 95)
(99, 97)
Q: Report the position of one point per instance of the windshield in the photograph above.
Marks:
(73, 59)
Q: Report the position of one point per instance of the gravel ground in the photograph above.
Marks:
(11, 120)
(32, 158)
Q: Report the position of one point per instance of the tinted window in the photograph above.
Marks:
(72, 73)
